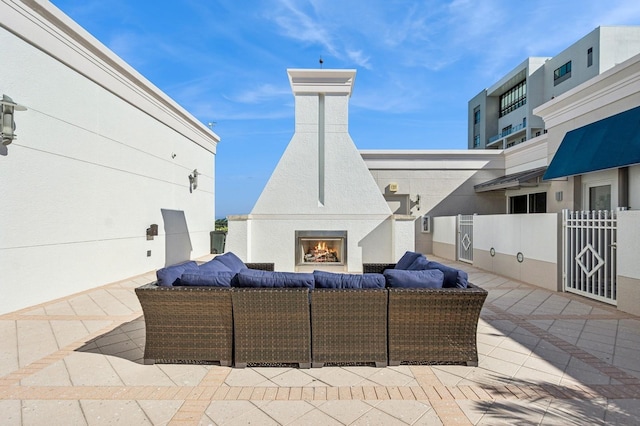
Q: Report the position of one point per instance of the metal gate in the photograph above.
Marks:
(589, 254)
(465, 238)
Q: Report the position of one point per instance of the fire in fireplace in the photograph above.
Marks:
(321, 248)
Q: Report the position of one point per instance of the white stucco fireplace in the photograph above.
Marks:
(321, 208)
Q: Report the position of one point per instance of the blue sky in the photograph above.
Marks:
(418, 63)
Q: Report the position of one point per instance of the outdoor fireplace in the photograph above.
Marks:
(325, 250)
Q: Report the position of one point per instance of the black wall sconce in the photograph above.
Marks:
(152, 231)
(7, 109)
(193, 180)
(416, 203)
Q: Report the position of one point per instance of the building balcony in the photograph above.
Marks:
(512, 131)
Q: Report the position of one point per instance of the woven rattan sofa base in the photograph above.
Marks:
(187, 324)
(271, 326)
(432, 326)
(349, 326)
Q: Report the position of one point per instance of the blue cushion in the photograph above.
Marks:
(209, 279)
(336, 280)
(231, 261)
(327, 279)
(371, 280)
(399, 278)
(407, 259)
(167, 277)
(453, 278)
(214, 265)
(257, 278)
(419, 264)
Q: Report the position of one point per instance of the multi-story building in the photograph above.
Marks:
(502, 115)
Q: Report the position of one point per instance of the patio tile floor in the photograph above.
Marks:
(545, 358)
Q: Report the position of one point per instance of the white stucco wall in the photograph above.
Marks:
(534, 235)
(445, 230)
(628, 244)
(91, 170)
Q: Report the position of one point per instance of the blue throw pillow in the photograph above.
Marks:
(231, 261)
(399, 278)
(167, 277)
(209, 279)
(453, 278)
(407, 259)
(325, 279)
(214, 265)
(257, 278)
(419, 264)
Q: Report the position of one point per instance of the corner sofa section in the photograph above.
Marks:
(312, 326)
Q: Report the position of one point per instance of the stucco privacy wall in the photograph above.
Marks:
(535, 236)
(445, 236)
(100, 152)
(628, 279)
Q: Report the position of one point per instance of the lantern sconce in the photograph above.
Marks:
(7, 109)
(152, 231)
(193, 180)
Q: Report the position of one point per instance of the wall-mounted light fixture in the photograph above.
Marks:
(7, 109)
(416, 203)
(193, 180)
(152, 231)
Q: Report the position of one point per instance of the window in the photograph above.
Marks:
(518, 204)
(531, 203)
(476, 116)
(538, 202)
(514, 98)
(476, 141)
(561, 74)
(600, 197)
(589, 56)
(506, 130)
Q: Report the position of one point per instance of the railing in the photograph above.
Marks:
(505, 133)
(589, 254)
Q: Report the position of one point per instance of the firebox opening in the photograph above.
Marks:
(321, 249)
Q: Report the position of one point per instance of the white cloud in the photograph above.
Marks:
(359, 59)
(260, 95)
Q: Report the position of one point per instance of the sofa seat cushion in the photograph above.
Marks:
(325, 279)
(208, 279)
(170, 275)
(231, 261)
(257, 278)
(428, 278)
(407, 259)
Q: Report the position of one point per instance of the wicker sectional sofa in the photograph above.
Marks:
(311, 327)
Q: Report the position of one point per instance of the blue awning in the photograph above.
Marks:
(606, 144)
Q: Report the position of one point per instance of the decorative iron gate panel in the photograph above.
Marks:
(589, 254)
(465, 238)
